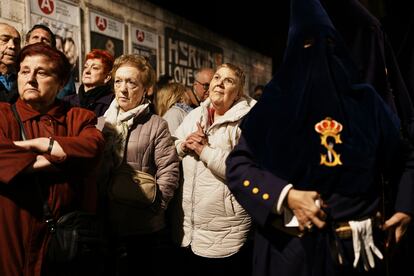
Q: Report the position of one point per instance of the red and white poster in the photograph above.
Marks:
(145, 43)
(106, 33)
(64, 20)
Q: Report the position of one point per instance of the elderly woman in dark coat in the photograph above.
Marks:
(95, 92)
(60, 152)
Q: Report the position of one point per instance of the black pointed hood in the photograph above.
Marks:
(315, 87)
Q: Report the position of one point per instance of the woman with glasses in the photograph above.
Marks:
(213, 227)
(137, 141)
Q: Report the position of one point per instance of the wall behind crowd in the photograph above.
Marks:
(173, 45)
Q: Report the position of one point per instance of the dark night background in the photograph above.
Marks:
(263, 25)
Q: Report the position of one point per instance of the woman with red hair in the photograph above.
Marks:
(95, 93)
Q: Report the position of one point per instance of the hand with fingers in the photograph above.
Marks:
(306, 206)
(396, 226)
(197, 140)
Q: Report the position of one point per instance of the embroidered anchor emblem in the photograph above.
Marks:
(329, 128)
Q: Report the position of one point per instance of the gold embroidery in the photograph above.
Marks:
(329, 128)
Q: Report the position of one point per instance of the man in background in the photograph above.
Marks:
(201, 85)
(9, 49)
(41, 33)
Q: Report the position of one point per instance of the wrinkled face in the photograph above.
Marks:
(201, 85)
(39, 35)
(9, 45)
(94, 74)
(224, 90)
(37, 81)
(129, 91)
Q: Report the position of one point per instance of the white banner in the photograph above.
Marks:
(57, 10)
(143, 37)
(106, 26)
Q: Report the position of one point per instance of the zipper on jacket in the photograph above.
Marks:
(192, 200)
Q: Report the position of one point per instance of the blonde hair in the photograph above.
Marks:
(147, 76)
(167, 96)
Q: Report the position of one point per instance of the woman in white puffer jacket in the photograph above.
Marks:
(213, 226)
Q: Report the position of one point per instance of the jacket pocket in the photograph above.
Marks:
(228, 203)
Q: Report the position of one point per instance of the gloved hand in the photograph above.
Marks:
(363, 243)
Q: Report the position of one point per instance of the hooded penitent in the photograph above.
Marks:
(374, 57)
(321, 129)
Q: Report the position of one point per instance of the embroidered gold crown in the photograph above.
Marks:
(328, 127)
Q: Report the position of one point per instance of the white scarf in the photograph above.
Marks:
(117, 125)
(115, 116)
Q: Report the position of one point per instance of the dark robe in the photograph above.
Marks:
(372, 52)
(316, 95)
(406, 57)
(23, 232)
(97, 99)
(374, 57)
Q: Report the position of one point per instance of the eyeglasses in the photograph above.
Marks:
(205, 86)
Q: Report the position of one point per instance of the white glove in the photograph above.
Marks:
(362, 234)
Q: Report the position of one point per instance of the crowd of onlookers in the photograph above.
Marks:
(180, 136)
(285, 182)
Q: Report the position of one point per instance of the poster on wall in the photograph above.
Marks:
(185, 54)
(63, 19)
(12, 12)
(107, 34)
(145, 43)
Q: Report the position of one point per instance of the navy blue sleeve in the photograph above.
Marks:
(255, 188)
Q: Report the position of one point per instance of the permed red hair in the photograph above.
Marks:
(106, 58)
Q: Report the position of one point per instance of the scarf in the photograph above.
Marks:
(118, 123)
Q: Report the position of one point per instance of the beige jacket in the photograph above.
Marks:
(150, 148)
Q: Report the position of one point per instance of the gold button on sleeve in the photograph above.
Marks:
(246, 183)
(255, 190)
(265, 196)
